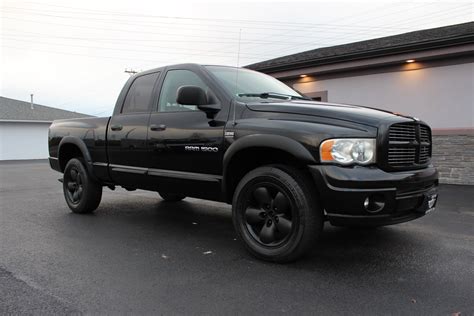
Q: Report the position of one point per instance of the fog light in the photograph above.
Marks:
(374, 203)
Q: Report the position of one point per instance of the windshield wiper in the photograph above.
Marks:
(266, 95)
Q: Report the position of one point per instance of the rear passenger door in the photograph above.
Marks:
(128, 129)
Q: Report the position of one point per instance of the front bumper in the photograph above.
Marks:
(393, 197)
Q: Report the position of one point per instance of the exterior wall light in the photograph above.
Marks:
(303, 76)
(410, 61)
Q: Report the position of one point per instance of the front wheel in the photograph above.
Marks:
(276, 214)
(81, 192)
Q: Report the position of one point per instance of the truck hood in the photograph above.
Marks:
(351, 113)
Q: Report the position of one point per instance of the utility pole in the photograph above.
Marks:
(31, 102)
(130, 71)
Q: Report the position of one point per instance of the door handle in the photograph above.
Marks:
(155, 127)
(117, 127)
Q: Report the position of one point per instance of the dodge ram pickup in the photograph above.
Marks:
(285, 163)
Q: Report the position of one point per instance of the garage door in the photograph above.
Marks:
(23, 140)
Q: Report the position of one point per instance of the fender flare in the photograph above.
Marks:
(279, 142)
(82, 147)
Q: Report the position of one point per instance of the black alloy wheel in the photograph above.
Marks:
(269, 215)
(74, 185)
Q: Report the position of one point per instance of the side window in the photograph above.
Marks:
(173, 80)
(139, 95)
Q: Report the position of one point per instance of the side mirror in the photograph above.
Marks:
(193, 95)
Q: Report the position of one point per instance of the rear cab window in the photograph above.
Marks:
(139, 96)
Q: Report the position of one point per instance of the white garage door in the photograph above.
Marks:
(23, 140)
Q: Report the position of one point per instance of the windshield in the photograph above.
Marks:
(246, 84)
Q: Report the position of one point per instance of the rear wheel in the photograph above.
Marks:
(276, 214)
(171, 197)
(81, 192)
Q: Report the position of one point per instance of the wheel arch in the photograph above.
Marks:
(73, 147)
(256, 150)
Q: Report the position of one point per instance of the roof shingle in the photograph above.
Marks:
(412, 41)
(11, 109)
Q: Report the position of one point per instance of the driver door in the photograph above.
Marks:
(184, 146)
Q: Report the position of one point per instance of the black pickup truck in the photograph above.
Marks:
(284, 162)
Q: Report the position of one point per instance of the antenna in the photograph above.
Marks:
(238, 50)
(236, 75)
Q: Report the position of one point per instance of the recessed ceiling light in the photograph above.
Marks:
(410, 60)
(303, 76)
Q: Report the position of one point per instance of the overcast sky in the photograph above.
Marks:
(72, 54)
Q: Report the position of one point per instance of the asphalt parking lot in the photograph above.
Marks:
(138, 254)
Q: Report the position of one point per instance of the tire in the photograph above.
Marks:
(172, 197)
(276, 213)
(81, 192)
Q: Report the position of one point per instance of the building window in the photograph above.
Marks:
(318, 96)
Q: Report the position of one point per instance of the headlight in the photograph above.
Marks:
(348, 151)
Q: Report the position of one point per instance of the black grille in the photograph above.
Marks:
(402, 133)
(425, 134)
(409, 145)
(425, 154)
(400, 156)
